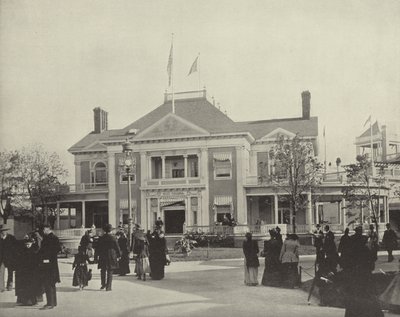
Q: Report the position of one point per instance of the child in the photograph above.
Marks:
(81, 273)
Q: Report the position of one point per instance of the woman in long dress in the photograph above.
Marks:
(290, 259)
(123, 264)
(142, 258)
(157, 254)
(272, 270)
(251, 263)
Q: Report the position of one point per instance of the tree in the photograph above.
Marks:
(296, 171)
(363, 190)
(36, 176)
(9, 181)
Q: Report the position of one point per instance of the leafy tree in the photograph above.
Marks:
(296, 171)
(9, 181)
(35, 180)
(363, 190)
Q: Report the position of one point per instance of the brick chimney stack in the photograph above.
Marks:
(100, 120)
(305, 98)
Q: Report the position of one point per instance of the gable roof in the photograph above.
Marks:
(201, 113)
(375, 130)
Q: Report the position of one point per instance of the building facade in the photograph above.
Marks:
(191, 167)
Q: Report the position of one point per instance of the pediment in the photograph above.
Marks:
(96, 146)
(273, 135)
(171, 126)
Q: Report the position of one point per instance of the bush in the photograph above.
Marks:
(209, 239)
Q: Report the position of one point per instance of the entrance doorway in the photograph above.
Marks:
(174, 220)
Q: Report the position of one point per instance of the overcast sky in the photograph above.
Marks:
(60, 59)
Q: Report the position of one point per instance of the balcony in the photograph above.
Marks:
(83, 188)
(172, 182)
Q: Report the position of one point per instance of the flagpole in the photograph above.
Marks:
(198, 68)
(172, 75)
(325, 150)
(372, 148)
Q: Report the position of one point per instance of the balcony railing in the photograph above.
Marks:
(83, 187)
(172, 181)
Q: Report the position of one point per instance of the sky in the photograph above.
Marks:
(61, 59)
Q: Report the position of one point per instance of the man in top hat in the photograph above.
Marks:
(7, 257)
(49, 249)
(108, 254)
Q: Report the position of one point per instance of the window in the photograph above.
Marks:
(99, 174)
(178, 173)
(124, 178)
(222, 166)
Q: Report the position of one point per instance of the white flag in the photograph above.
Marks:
(368, 120)
(194, 66)
(169, 66)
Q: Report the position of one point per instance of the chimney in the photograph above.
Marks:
(305, 98)
(100, 120)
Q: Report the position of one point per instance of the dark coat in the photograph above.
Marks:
(8, 254)
(345, 251)
(49, 249)
(108, 252)
(250, 250)
(389, 239)
(329, 245)
(157, 256)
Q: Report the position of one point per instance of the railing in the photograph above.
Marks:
(83, 187)
(172, 181)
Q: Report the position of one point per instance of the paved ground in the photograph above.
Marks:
(212, 288)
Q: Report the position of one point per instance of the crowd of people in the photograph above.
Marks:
(34, 261)
(346, 269)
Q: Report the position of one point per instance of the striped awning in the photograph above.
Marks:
(223, 157)
(223, 200)
(166, 201)
(123, 203)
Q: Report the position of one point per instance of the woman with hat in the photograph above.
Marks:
(272, 270)
(158, 254)
(289, 257)
(142, 252)
(27, 272)
(124, 247)
(108, 254)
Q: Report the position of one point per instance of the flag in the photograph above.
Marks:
(368, 120)
(169, 66)
(194, 66)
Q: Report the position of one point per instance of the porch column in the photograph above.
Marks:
(58, 215)
(339, 212)
(69, 216)
(276, 209)
(343, 207)
(185, 158)
(386, 206)
(163, 166)
(309, 211)
(83, 214)
(188, 218)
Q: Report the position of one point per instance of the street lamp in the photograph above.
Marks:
(129, 165)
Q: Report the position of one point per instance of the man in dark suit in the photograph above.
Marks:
(389, 240)
(49, 249)
(108, 254)
(329, 248)
(7, 257)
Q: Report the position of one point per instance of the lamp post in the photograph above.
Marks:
(127, 149)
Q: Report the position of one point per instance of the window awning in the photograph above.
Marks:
(223, 200)
(223, 157)
(123, 203)
(166, 201)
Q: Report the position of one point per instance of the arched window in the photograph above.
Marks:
(100, 173)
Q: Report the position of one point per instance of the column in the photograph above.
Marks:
(343, 206)
(309, 211)
(241, 207)
(276, 208)
(69, 216)
(339, 212)
(149, 173)
(83, 214)
(188, 207)
(58, 215)
(163, 167)
(185, 158)
(112, 190)
(77, 172)
(204, 214)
